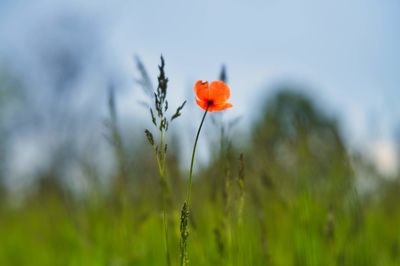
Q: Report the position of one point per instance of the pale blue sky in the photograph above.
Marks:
(346, 51)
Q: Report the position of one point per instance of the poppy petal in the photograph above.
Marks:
(201, 89)
(219, 107)
(219, 92)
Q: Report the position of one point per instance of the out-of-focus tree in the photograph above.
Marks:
(10, 99)
(296, 147)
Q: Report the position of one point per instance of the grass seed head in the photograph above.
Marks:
(149, 136)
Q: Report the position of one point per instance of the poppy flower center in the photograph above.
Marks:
(210, 102)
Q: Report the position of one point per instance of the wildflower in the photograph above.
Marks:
(212, 97)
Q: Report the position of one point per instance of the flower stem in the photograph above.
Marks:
(189, 190)
(185, 212)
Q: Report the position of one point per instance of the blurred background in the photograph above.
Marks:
(314, 87)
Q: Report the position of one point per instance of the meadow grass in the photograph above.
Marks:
(289, 197)
(45, 233)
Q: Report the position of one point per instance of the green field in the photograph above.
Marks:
(289, 193)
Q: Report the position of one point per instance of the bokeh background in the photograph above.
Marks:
(315, 92)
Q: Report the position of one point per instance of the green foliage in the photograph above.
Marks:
(301, 149)
(289, 200)
(10, 100)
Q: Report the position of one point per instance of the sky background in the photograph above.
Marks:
(343, 53)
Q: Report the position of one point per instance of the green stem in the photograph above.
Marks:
(189, 190)
(165, 223)
(160, 155)
(185, 212)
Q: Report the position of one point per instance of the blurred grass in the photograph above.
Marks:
(48, 233)
(301, 205)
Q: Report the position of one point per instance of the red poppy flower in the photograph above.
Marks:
(212, 96)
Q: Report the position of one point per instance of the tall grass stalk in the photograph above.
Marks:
(240, 182)
(160, 121)
(115, 139)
